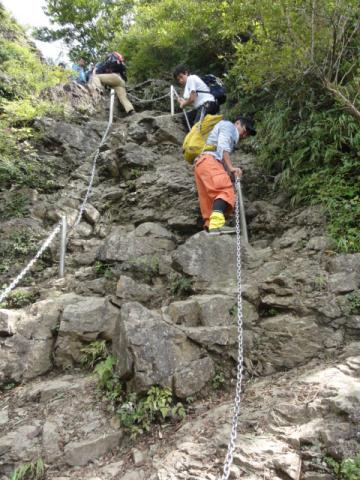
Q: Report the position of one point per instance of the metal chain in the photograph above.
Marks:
(132, 95)
(239, 377)
(41, 250)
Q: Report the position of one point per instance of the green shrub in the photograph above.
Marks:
(138, 413)
(30, 471)
(104, 269)
(24, 78)
(348, 469)
(180, 285)
(354, 302)
(108, 379)
(19, 299)
(218, 380)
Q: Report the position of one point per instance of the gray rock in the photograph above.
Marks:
(151, 351)
(49, 389)
(287, 341)
(344, 282)
(204, 257)
(81, 453)
(51, 442)
(91, 215)
(291, 237)
(349, 263)
(84, 320)
(8, 321)
(318, 243)
(185, 312)
(127, 290)
(27, 353)
(193, 378)
(4, 416)
(139, 457)
(211, 336)
(147, 240)
(133, 475)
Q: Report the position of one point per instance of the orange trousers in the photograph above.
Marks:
(212, 182)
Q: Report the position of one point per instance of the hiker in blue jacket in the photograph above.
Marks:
(79, 70)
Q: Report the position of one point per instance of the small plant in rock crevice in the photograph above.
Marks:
(137, 413)
(354, 302)
(19, 299)
(147, 267)
(93, 353)
(30, 471)
(14, 206)
(104, 269)
(108, 379)
(180, 285)
(347, 469)
(218, 380)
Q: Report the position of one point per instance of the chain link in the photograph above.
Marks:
(41, 250)
(239, 376)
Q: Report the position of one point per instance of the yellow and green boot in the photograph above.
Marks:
(217, 224)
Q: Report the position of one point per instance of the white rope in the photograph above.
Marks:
(93, 170)
(38, 254)
(56, 230)
(150, 100)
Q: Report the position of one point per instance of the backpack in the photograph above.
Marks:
(195, 140)
(114, 63)
(217, 88)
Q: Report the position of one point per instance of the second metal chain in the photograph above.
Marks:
(239, 376)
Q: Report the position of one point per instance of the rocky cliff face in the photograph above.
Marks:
(142, 275)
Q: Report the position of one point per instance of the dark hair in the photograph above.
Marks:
(179, 69)
(247, 123)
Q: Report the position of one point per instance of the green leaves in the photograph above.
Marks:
(138, 413)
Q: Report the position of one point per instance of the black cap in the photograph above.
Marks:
(248, 124)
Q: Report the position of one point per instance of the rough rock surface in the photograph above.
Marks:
(141, 275)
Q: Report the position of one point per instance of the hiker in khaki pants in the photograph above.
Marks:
(112, 72)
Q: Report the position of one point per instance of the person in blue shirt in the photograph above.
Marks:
(78, 68)
(213, 170)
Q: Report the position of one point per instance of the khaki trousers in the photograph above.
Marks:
(117, 83)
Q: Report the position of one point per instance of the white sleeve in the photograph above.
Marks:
(191, 84)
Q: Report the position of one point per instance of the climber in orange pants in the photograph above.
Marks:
(213, 183)
(212, 170)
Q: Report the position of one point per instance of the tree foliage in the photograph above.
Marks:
(87, 26)
(23, 78)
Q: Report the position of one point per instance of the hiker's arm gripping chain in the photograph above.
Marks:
(230, 167)
(189, 101)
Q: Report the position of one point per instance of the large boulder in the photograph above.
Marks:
(210, 260)
(146, 241)
(26, 341)
(84, 320)
(151, 351)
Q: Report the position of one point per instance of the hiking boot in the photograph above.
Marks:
(222, 230)
(217, 220)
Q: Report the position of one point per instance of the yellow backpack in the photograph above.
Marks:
(195, 140)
